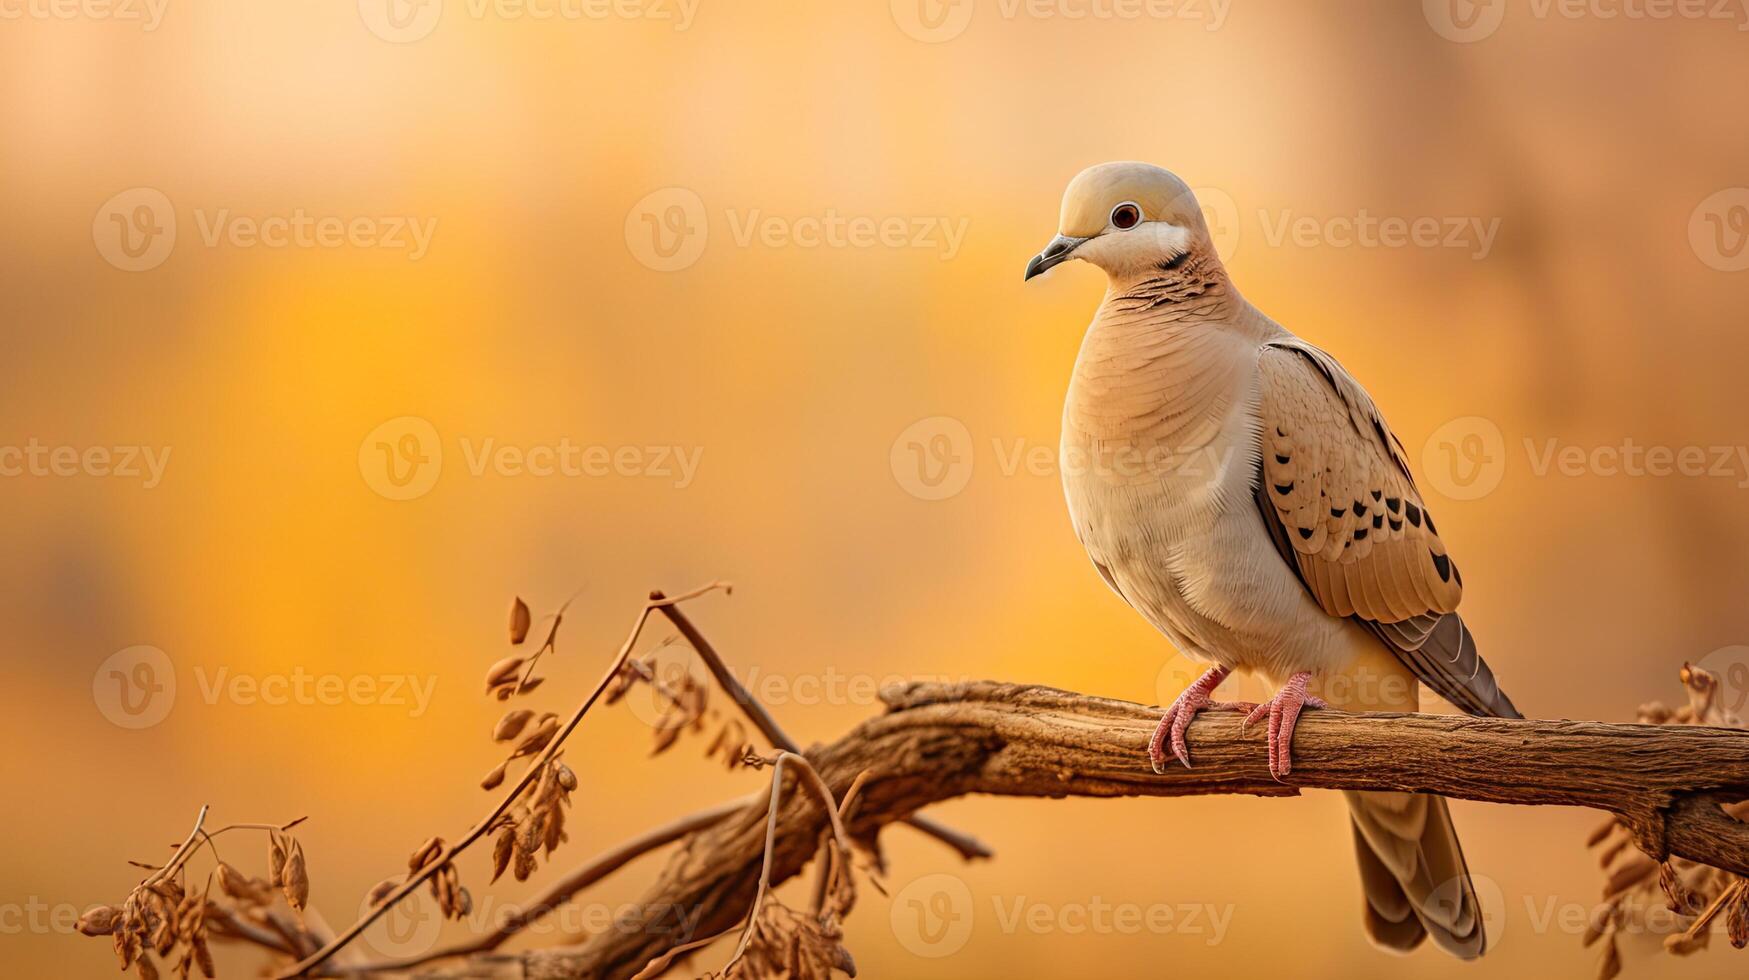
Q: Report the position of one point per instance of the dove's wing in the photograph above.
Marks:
(1336, 494)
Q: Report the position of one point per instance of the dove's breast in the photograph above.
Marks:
(1159, 451)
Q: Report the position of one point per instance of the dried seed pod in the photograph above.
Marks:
(1610, 967)
(503, 848)
(203, 957)
(1677, 894)
(554, 829)
(146, 970)
(99, 920)
(424, 854)
(275, 859)
(524, 864)
(163, 937)
(519, 620)
(536, 740)
(567, 778)
(494, 778)
(297, 878)
(511, 725)
(382, 890)
(533, 833)
(503, 672)
(1737, 919)
(530, 684)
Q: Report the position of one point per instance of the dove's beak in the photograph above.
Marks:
(1055, 254)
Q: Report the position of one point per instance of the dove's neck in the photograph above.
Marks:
(1168, 356)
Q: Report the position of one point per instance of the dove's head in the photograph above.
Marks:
(1129, 219)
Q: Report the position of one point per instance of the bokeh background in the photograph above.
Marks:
(854, 409)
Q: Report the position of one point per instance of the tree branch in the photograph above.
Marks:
(940, 741)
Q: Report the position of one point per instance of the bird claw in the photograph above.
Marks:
(1283, 711)
(1170, 731)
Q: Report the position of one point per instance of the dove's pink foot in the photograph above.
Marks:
(1178, 717)
(1284, 711)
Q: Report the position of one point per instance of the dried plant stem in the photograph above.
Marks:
(184, 851)
(969, 848)
(774, 794)
(533, 771)
(588, 874)
(1706, 917)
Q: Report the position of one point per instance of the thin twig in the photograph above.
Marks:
(183, 851)
(969, 847)
(588, 874)
(811, 779)
(479, 830)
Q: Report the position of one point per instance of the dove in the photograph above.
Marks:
(1239, 489)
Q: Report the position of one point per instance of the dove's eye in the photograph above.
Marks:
(1126, 216)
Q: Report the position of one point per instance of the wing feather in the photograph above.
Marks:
(1335, 491)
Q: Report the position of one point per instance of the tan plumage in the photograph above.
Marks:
(1267, 519)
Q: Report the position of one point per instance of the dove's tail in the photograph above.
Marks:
(1412, 871)
(1412, 867)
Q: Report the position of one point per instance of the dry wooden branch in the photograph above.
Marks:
(940, 741)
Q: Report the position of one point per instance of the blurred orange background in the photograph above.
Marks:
(620, 257)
